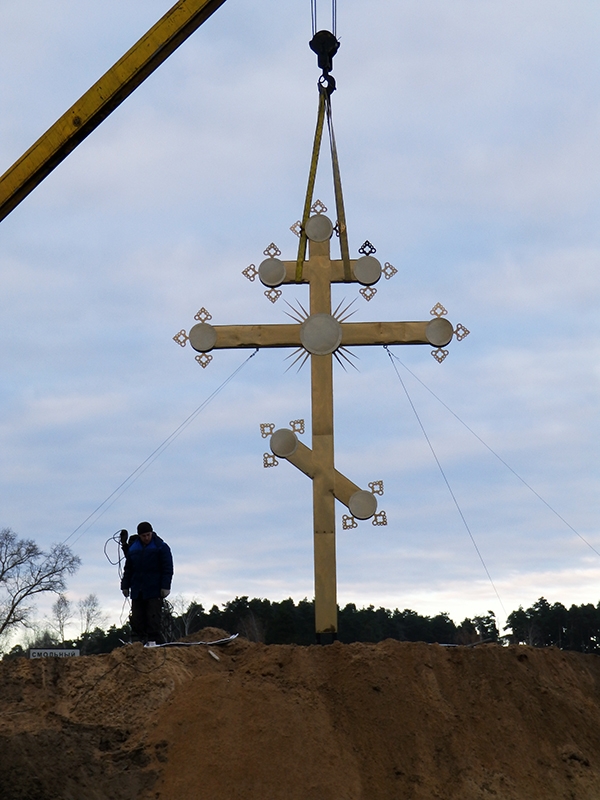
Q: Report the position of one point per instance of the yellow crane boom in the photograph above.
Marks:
(101, 99)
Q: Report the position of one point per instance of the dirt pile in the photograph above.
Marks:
(391, 721)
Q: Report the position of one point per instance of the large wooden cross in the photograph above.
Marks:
(320, 334)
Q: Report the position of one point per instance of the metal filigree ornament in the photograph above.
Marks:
(266, 429)
(461, 332)
(348, 522)
(272, 250)
(204, 359)
(296, 228)
(367, 249)
(318, 207)
(181, 338)
(339, 228)
(438, 310)
(273, 295)
(439, 354)
(202, 315)
(380, 518)
(269, 460)
(250, 272)
(389, 271)
(297, 425)
(376, 487)
(368, 292)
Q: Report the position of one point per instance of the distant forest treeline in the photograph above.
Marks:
(287, 622)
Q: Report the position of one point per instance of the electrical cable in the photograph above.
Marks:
(458, 508)
(139, 471)
(116, 537)
(499, 457)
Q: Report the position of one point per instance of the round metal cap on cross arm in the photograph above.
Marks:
(203, 337)
(362, 504)
(367, 270)
(321, 334)
(439, 332)
(284, 442)
(319, 228)
(271, 272)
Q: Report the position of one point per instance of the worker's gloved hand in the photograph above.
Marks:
(165, 592)
(125, 592)
(124, 534)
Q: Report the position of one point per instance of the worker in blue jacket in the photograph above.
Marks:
(147, 580)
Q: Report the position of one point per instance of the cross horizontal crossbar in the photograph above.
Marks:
(343, 487)
(354, 334)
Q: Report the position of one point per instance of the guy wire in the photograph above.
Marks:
(139, 470)
(458, 508)
(494, 453)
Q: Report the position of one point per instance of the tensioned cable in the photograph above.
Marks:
(139, 471)
(494, 453)
(437, 461)
(313, 16)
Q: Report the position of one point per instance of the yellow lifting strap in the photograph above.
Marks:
(339, 199)
(324, 110)
(311, 183)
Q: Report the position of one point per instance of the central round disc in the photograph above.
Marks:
(321, 334)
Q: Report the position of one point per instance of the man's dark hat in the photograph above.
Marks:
(144, 527)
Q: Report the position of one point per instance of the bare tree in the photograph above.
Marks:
(90, 613)
(62, 611)
(26, 571)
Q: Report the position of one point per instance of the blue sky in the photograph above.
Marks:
(468, 139)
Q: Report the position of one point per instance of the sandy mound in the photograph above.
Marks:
(344, 722)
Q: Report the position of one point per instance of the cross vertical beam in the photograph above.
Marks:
(321, 367)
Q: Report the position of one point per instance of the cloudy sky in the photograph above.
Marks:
(469, 143)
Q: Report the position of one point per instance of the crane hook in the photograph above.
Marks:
(325, 45)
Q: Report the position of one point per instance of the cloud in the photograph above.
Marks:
(467, 136)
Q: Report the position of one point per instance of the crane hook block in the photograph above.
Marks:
(325, 45)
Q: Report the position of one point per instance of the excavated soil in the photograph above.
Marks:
(387, 721)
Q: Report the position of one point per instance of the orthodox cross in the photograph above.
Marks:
(321, 334)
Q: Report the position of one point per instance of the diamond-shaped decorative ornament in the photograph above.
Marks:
(273, 295)
(318, 207)
(297, 425)
(348, 522)
(339, 228)
(204, 359)
(269, 460)
(202, 315)
(438, 310)
(367, 249)
(380, 518)
(368, 292)
(250, 272)
(439, 354)
(181, 338)
(389, 271)
(461, 332)
(376, 487)
(266, 429)
(296, 228)
(272, 250)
